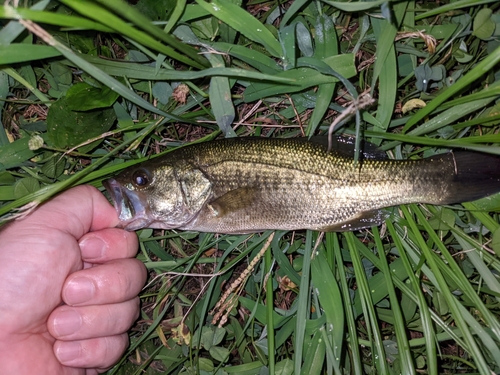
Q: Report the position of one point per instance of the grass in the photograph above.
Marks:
(89, 88)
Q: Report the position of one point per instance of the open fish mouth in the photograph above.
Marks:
(131, 210)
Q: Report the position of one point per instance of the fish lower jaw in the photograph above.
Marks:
(141, 223)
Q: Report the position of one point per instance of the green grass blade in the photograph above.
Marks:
(443, 287)
(330, 298)
(258, 60)
(94, 11)
(405, 356)
(332, 244)
(452, 7)
(378, 352)
(271, 348)
(472, 76)
(220, 98)
(385, 69)
(303, 301)
(244, 23)
(103, 77)
(326, 45)
(16, 53)
(13, 29)
(52, 18)
(357, 6)
(428, 328)
(143, 72)
(180, 7)
(125, 10)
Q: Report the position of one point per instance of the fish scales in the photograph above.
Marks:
(252, 184)
(296, 185)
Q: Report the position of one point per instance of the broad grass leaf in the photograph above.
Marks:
(16, 153)
(61, 73)
(204, 364)
(54, 167)
(212, 336)
(84, 97)
(16, 53)
(6, 178)
(288, 43)
(219, 353)
(284, 367)
(162, 91)
(67, 128)
(329, 295)
(441, 32)
(326, 45)
(304, 40)
(483, 26)
(488, 204)
(155, 9)
(444, 220)
(7, 193)
(25, 186)
(220, 98)
(260, 311)
(314, 356)
(461, 54)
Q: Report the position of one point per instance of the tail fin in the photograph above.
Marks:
(477, 175)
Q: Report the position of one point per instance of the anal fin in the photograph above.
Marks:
(360, 221)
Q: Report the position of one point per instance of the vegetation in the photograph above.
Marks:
(90, 87)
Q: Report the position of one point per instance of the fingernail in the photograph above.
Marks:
(92, 248)
(79, 290)
(67, 322)
(68, 351)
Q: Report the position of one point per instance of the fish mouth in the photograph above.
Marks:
(132, 211)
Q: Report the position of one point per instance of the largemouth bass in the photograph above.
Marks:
(244, 185)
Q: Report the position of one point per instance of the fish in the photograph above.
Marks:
(252, 184)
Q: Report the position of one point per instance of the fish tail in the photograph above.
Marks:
(474, 175)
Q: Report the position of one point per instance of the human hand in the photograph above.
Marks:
(68, 287)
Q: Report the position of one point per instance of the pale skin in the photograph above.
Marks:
(68, 287)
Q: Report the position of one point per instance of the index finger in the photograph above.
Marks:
(77, 211)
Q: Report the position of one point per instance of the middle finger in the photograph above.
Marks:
(113, 282)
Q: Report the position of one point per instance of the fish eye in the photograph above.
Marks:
(141, 178)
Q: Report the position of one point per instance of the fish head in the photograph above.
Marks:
(153, 197)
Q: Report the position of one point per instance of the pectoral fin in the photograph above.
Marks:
(360, 221)
(232, 201)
